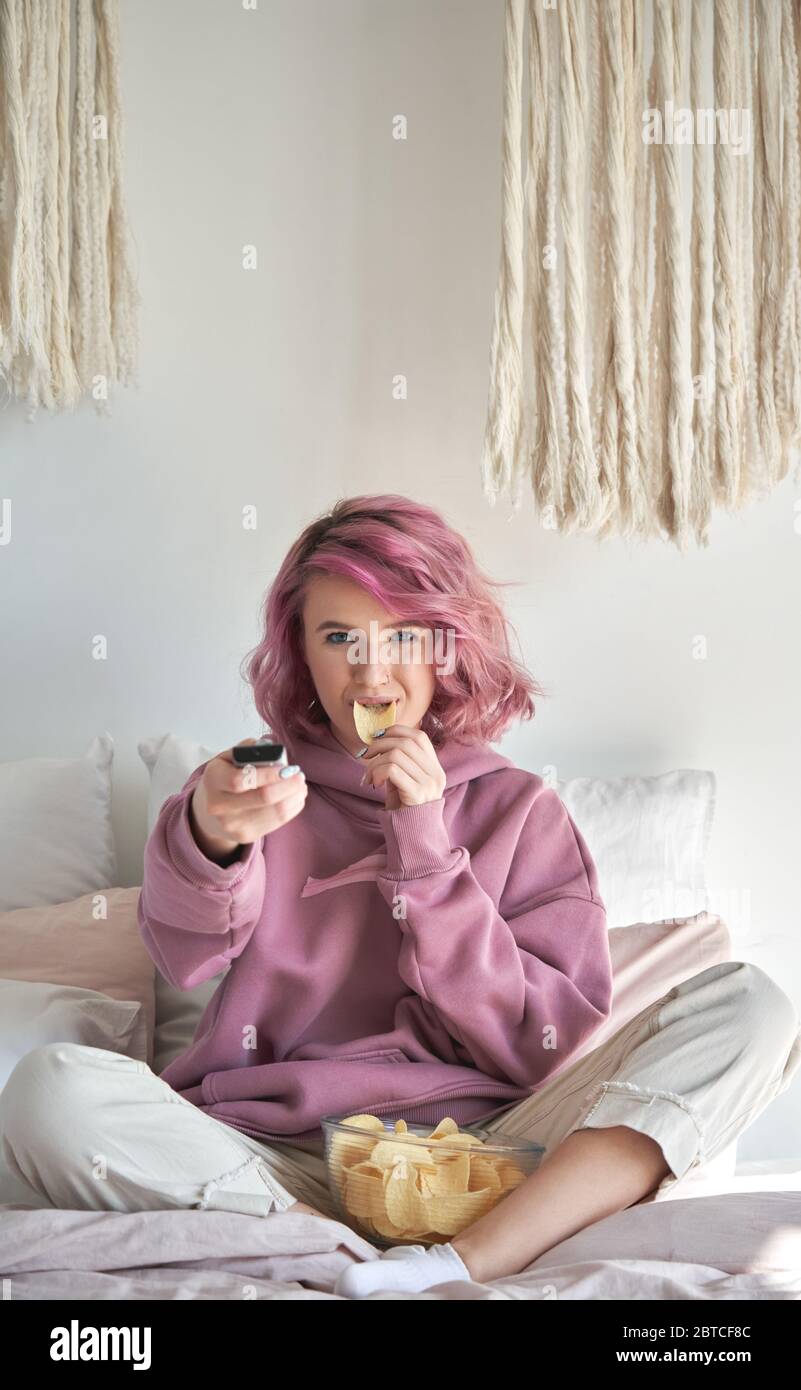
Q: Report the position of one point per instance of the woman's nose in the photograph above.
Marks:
(373, 672)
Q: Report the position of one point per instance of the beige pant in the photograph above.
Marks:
(84, 1127)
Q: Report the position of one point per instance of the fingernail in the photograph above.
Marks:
(380, 733)
(289, 771)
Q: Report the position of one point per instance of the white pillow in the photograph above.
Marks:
(170, 761)
(56, 837)
(33, 1014)
(648, 837)
(178, 1013)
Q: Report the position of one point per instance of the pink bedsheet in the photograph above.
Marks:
(744, 1243)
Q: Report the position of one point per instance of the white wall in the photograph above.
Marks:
(273, 388)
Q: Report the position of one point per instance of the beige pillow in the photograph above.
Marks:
(70, 944)
(649, 958)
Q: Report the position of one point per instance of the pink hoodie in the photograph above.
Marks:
(443, 959)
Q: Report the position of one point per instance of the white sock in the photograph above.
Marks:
(408, 1268)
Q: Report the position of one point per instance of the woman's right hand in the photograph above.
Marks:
(233, 806)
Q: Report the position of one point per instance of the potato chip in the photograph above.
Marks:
(388, 1229)
(387, 1151)
(450, 1214)
(370, 718)
(347, 1149)
(484, 1174)
(363, 1189)
(445, 1126)
(461, 1141)
(405, 1204)
(428, 1182)
(452, 1173)
(509, 1173)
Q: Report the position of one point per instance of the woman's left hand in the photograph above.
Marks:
(404, 759)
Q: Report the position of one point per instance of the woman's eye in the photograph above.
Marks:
(406, 632)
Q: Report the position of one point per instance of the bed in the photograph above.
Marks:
(733, 1232)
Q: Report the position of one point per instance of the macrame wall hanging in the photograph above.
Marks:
(68, 301)
(646, 354)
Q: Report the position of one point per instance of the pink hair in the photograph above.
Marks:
(413, 563)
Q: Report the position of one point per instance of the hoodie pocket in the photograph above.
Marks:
(376, 1054)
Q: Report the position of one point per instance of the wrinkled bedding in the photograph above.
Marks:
(741, 1243)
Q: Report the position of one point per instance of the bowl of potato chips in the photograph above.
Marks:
(417, 1185)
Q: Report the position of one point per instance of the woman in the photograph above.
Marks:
(414, 929)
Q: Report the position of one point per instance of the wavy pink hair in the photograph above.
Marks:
(412, 562)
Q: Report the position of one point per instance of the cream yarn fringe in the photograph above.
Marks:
(68, 300)
(646, 362)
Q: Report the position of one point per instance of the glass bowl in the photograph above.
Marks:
(413, 1185)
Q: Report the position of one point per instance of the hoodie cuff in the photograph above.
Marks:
(189, 859)
(418, 842)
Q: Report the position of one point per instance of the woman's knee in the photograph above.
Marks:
(50, 1088)
(764, 1011)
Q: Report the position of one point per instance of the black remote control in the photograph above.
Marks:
(261, 752)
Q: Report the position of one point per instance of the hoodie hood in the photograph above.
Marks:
(328, 765)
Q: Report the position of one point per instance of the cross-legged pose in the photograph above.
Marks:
(413, 928)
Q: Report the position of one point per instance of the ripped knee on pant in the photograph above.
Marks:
(629, 1091)
(640, 1093)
